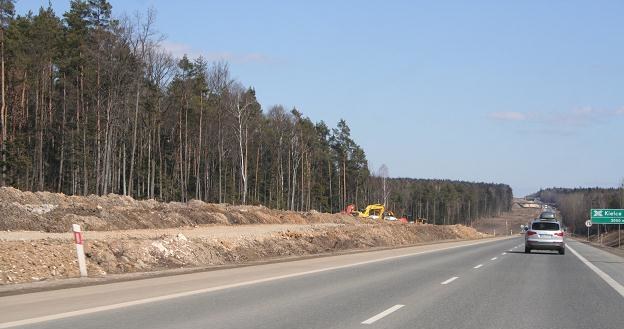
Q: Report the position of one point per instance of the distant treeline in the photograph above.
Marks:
(574, 203)
(446, 201)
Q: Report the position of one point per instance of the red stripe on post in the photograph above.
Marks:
(78, 237)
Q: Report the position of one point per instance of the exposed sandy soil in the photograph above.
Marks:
(49, 258)
(55, 212)
(123, 235)
(508, 222)
(203, 231)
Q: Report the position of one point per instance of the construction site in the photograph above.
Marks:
(123, 235)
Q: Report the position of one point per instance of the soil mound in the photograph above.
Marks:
(55, 212)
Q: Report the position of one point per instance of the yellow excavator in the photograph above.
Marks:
(375, 211)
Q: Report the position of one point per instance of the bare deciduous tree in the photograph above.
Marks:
(383, 174)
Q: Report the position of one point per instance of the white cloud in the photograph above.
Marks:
(584, 116)
(180, 49)
(509, 116)
(558, 123)
(577, 117)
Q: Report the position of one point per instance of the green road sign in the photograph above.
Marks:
(607, 216)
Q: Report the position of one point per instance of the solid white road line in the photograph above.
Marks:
(609, 280)
(478, 266)
(450, 280)
(383, 314)
(211, 289)
(493, 258)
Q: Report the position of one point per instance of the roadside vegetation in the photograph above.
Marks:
(574, 204)
(448, 202)
(93, 103)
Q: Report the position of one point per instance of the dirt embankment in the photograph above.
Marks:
(124, 235)
(613, 239)
(508, 222)
(34, 260)
(55, 212)
(612, 242)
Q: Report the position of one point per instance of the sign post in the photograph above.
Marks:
(607, 216)
(82, 263)
(588, 224)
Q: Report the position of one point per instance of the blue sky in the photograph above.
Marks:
(527, 93)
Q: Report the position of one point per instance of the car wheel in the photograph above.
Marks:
(562, 251)
(527, 250)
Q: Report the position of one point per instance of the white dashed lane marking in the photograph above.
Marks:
(382, 314)
(450, 280)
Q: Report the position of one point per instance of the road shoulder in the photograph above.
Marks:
(609, 263)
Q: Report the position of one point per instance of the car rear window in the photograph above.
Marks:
(547, 215)
(546, 226)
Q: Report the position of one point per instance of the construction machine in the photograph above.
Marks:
(350, 210)
(376, 211)
(372, 211)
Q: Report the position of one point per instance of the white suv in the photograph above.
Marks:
(544, 234)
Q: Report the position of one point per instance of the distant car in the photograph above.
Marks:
(547, 215)
(544, 234)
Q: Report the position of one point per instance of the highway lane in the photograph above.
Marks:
(488, 285)
(56, 304)
(537, 290)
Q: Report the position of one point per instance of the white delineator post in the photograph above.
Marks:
(82, 263)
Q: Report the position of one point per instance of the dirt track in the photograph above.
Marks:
(204, 231)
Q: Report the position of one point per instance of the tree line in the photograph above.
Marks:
(91, 103)
(574, 204)
(446, 201)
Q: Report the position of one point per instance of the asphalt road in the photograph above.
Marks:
(459, 285)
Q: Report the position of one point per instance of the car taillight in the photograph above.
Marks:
(559, 234)
(531, 233)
